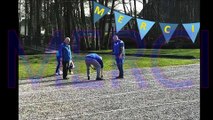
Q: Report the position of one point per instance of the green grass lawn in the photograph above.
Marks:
(172, 53)
(44, 65)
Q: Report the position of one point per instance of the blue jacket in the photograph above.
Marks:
(66, 53)
(118, 48)
(59, 52)
(96, 57)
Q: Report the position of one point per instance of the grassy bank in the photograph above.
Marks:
(43, 65)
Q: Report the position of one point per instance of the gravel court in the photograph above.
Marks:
(146, 76)
(126, 99)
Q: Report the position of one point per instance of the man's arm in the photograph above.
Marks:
(121, 49)
(101, 63)
(113, 51)
(62, 53)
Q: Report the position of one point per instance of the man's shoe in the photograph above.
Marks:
(119, 77)
(99, 79)
(66, 78)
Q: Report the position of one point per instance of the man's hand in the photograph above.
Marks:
(92, 67)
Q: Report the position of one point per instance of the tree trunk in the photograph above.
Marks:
(84, 26)
(93, 43)
(67, 18)
(130, 13)
(123, 2)
(38, 24)
(57, 10)
(97, 37)
(26, 21)
(110, 25)
(102, 29)
(130, 5)
(135, 15)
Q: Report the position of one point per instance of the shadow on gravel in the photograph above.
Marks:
(34, 81)
(68, 82)
(60, 81)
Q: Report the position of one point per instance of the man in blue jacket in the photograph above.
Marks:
(94, 61)
(66, 56)
(119, 52)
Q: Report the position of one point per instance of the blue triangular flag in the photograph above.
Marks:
(121, 20)
(168, 30)
(99, 11)
(144, 26)
(192, 30)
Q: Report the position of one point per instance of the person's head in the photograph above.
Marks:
(115, 38)
(67, 40)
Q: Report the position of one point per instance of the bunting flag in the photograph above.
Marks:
(99, 11)
(121, 20)
(192, 30)
(144, 26)
(168, 30)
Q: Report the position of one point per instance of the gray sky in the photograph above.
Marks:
(119, 6)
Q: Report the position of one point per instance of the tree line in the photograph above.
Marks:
(72, 16)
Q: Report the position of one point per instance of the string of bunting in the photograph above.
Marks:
(144, 26)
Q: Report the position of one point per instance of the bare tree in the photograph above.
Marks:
(110, 28)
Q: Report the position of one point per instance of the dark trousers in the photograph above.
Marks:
(119, 63)
(65, 68)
